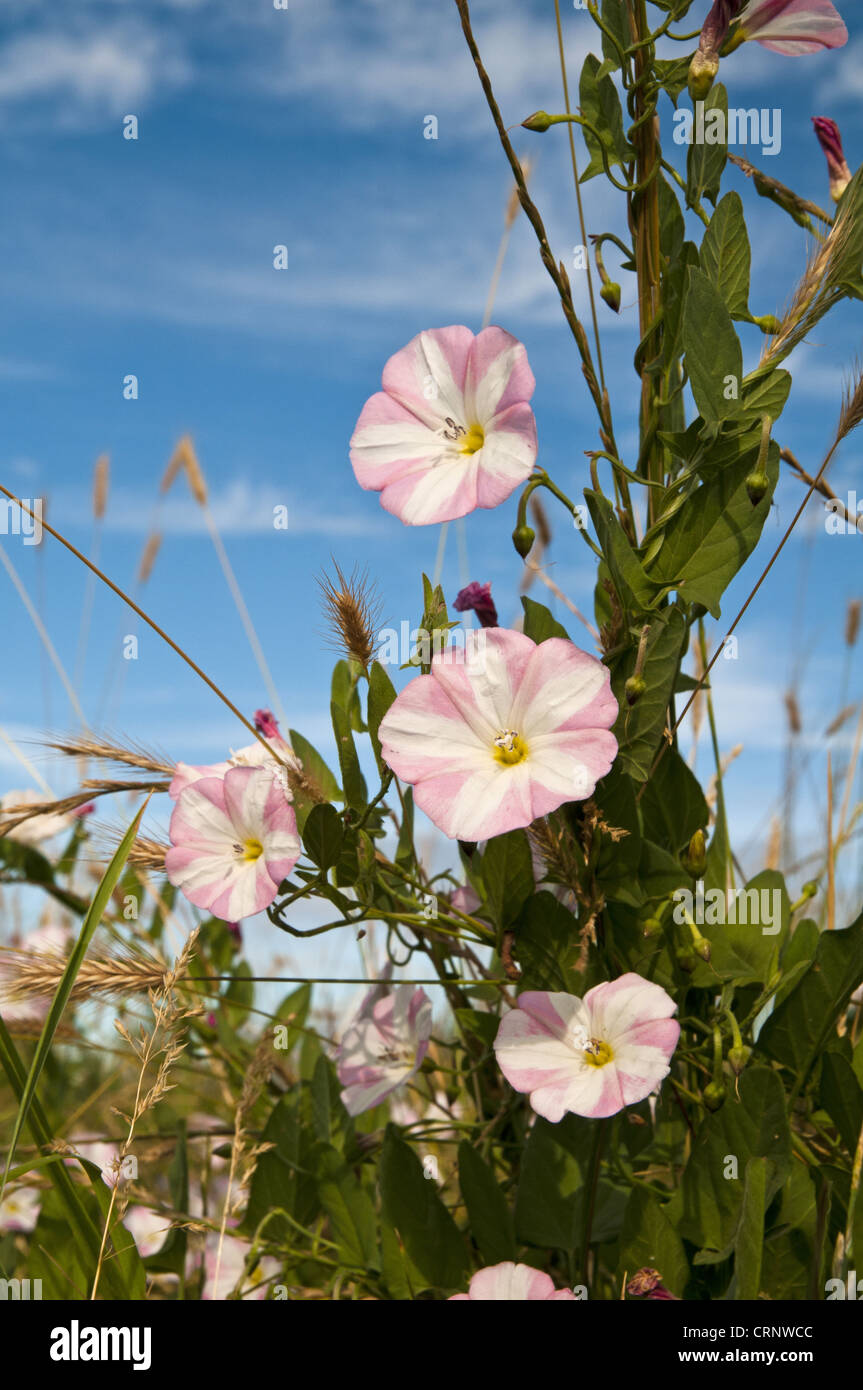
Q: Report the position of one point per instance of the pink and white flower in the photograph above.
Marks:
(502, 733)
(49, 940)
(36, 829)
(19, 1209)
(384, 1045)
(452, 429)
(234, 839)
(792, 27)
(589, 1056)
(223, 1272)
(508, 1282)
(149, 1229)
(252, 755)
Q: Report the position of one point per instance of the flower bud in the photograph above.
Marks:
(523, 538)
(686, 958)
(830, 141)
(634, 689)
(768, 323)
(539, 121)
(702, 74)
(610, 292)
(714, 1095)
(651, 928)
(756, 486)
(694, 857)
(738, 1057)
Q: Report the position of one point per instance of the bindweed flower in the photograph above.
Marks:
(830, 141)
(589, 1056)
(222, 1272)
(452, 429)
(705, 62)
(497, 736)
(384, 1045)
(19, 1209)
(234, 839)
(35, 829)
(50, 940)
(507, 1282)
(148, 1229)
(477, 598)
(792, 27)
(253, 755)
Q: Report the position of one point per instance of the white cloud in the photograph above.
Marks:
(78, 75)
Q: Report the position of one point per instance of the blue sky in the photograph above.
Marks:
(154, 257)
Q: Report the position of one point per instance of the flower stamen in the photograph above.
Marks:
(509, 748)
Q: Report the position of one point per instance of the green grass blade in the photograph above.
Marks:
(64, 989)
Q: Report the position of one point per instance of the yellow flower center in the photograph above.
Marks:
(509, 748)
(252, 850)
(472, 441)
(597, 1054)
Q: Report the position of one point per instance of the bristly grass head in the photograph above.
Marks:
(852, 403)
(353, 609)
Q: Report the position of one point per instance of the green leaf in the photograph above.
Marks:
(789, 1248)
(714, 358)
(353, 781)
(616, 20)
(749, 1241)
(648, 1240)
(712, 537)
(546, 943)
(600, 105)
(842, 1097)
(413, 1208)
(382, 693)
(672, 74)
(491, 1221)
(673, 803)
(284, 1176)
(705, 163)
(766, 395)
(323, 836)
(725, 255)
(746, 950)
(171, 1256)
(64, 989)
(798, 1030)
(672, 227)
(315, 768)
(507, 873)
(539, 623)
(636, 589)
(550, 1203)
(350, 1210)
(706, 1207)
(639, 728)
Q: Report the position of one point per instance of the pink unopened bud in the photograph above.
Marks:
(267, 724)
(477, 598)
(705, 63)
(830, 141)
(86, 810)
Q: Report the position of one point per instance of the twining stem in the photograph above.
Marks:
(578, 196)
(556, 271)
(644, 225)
(590, 1194)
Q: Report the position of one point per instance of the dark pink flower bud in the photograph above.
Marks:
(830, 141)
(267, 724)
(86, 810)
(477, 598)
